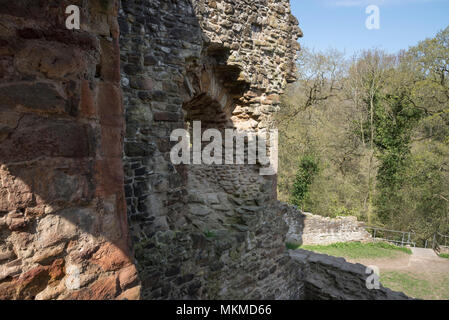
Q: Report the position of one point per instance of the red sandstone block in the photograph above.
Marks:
(37, 137)
(127, 276)
(130, 294)
(81, 40)
(102, 289)
(110, 60)
(55, 61)
(110, 258)
(37, 97)
(109, 176)
(87, 103)
(111, 141)
(36, 279)
(110, 108)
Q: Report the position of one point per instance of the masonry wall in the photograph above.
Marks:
(309, 229)
(204, 231)
(444, 250)
(62, 204)
(330, 278)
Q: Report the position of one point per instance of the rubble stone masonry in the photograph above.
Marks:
(309, 229)
(204, 231)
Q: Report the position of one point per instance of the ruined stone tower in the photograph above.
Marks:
(223, 63)
(91, 206)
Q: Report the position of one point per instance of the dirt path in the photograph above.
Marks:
(420, 261)
(422, 264)
(426, 254)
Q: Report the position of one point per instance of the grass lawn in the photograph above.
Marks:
(358, 250)
(444, 255)
(415, 285)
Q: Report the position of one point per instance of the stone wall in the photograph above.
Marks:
(308, 229)
(330, 278)
(444, 250)
(62, 205)
(204, 231)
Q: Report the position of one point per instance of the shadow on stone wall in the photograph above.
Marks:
(62, 204)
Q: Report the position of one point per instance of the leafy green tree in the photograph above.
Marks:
(394, 121)
(425, 201)
(308, 168)
(368, 75)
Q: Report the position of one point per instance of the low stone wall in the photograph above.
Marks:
(330, 278)
(444, 250)
(306, 228)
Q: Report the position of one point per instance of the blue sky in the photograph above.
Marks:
(340, 24)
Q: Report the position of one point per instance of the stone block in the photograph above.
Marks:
(42, 137)
(110, 108)
(57, 61)
(37, 97)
